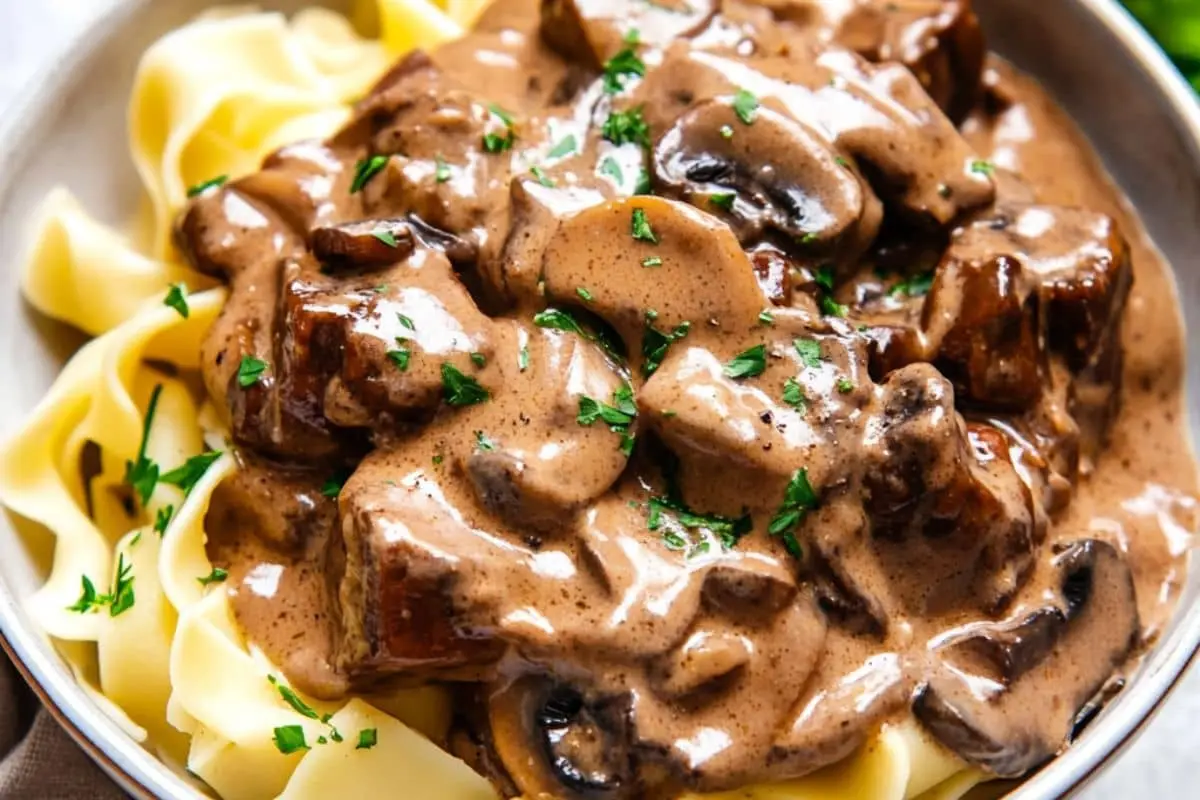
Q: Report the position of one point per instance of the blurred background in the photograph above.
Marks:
(1164, 763)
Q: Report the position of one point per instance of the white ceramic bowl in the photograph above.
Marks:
(70, 128)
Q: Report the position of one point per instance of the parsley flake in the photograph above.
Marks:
(798, 499)
(367, 738)
(584, 294)
(610, 167)
(626, 127)
(385, 236)
(461, 390)
(289, 739)
(212, 183)
(640, 227)
(745, 104)
(191, 471)
(726, 131)
(748, 363)
(845, 385)
(618, 69)
(250, 371)
(541, 176)
(914, 285)
(162, 518)
(765, 317)
(831, 307)
(365, 170)
(479, 360)
(810, 352)
(723, 200)
(177, 299)
(981, 167)
(619, 416)
(400, 356)
(217, 575)
(482, 442)
(655, 344)
(793, 394)
(523, 359)
(652, 261)
(142, 474)
(441, 170)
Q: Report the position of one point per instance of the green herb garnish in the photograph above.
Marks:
(212, 183)
(745, 104)
(217, 575)
(365, 170)
(618, 69)
(250, 371)
(640, 227)
(177, 299)
(748, 363)
(461, 390)
(626, 127)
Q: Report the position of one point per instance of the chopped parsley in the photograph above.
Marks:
(494, 143)
(479, 360)
(640, 227)
(619, 416)
(441, 170)
(626, 127)
(643, 182)
(142, 474)
(726, 131)
(798, 499)
(523, 358)
(831, 307)
(365, 170)
(766, 318)
(618, 69)
(541, 176)
(748, 363)
(723, 200)
(177, 299)
(250, 371)
(401, 355)
(610, 167)
(841, 162)
(652, 261)
(655, 344)
(914, 285)
(162, 518)
(727, 529)
(566, 146)
(212, 183)
(88, 601)
(119, 601)
(217, 575)
(793, 394)
(823, 277)
(810, 352)
(406, 322)
(559, 320)
(460, 390)
(981, 167)
(289, 739)
(333, 485)
(191, 471)
(367, 738)
(584, 294)
(385, 236)
(482, 442)
(845, 385)
(745, 104)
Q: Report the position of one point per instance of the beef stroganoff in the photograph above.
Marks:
(606, 399)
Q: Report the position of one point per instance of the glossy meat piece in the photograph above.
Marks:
(947, 495)
(984, 701)
(939, 41)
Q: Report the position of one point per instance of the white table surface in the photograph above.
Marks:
(1164, 762)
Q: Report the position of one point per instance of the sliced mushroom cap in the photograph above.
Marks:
(783, 177)
(554, 743)
(555, 466)
(593, 31)
(619, 255)
(364, 244)
(1005, 695)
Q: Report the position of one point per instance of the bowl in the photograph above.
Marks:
(69, 128)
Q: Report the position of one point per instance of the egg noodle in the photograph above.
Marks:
(137, 610)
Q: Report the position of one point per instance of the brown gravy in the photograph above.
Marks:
(856, 416)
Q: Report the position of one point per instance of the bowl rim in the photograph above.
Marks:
(143, 775)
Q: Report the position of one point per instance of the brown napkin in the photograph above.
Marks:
(38, 760)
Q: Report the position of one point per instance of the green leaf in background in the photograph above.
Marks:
(1176, 26)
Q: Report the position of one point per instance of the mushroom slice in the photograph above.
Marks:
(989, 698)
(618, 257)
(552, 466)
(554, 743)
(593, 31)
(364, 244)
(775, 175)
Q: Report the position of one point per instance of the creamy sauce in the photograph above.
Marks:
(660, 538)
